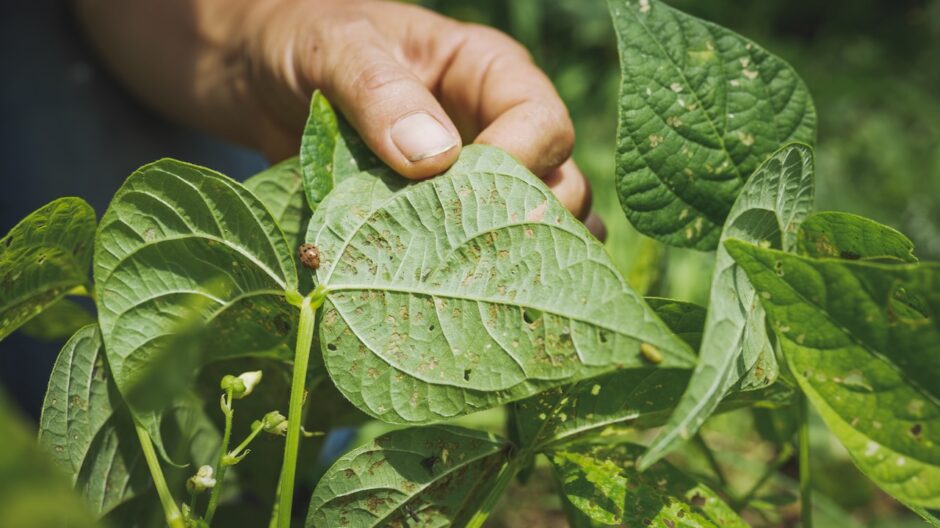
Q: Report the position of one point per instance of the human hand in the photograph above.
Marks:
(412, 83)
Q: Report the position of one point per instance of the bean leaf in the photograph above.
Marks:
(602, 481)
(700, 108)
(863, 341)
(280, 189)
(769, 210)
(469, 290)
(58, 322)
(190, 267)
(42, 258)
(413, 477)
(844, 235)
(330, 151)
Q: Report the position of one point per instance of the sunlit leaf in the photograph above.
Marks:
(852, 237)
(863, 341)
(700, 108)
(181, 249)
(42, 258)
(769, 210)
(603, 482)
(412, 477)
(470, 290)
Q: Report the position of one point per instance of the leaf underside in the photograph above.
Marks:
(735, 346)
(467, 291)
(863, 341)
(42, 258)
(411, 477)
(700, 108)
(602, 481)
(184, 248)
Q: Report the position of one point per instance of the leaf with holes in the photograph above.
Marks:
(602, 481)
(700, 108)
(863, 341)
(769, 211)
(42, 258)
(330, 151)
(184, 253)
(852, 237)
(468, 291)
(426, 476)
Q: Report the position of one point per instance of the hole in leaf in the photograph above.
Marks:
(916, 429)
(42, 258)
(697, 500)
(603, 336)
(331, 347)
(531, 315)
(431, 328)
(466, 374)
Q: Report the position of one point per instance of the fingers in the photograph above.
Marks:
(571, 188)
(391, 108)
(496, 93)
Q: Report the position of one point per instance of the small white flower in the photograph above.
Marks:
(202, 480)
(251, 379)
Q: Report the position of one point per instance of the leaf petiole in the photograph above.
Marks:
(174, 519)
(220, 465)
(308, 316)
(806, 481)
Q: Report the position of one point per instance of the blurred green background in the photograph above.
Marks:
(873, 68)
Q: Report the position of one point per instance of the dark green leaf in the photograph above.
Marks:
(181, 249)
(769, 210)
(58, 321)
(603, 482)
(863, 341)
(685, 319)
(470, 290)
(412, 477)
(700, 108)
(280, 189)
(852, 237)
(42, 258)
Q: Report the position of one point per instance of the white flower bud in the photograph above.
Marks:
(251, 379)
(201, 481)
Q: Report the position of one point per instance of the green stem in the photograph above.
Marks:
(241, 447)
(806, 481)
(174, 519)
(499, 487)
(712, 461)
(220, 466)
(308, 316)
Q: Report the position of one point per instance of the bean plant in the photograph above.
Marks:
(416, 303)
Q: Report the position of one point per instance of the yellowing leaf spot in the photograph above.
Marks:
(744, 61)
(655, 140)
(644, 6)
(901, 461)
(871, 448)
(675, 87)
(595, 390)
(746, 139)
(674, 121)
(750, 74)
(536, 214)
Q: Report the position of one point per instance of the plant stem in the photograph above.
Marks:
(499, 487)
(806, 481)
(174, 519)
(308, 315)
(712, 461)
(220, 466)
(782, 458)
(241, 447)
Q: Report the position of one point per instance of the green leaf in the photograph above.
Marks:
(685, 319)
(603, 482)
(848, 236)
(634, 398)
(469, 290)
(58, 321)
(280, 189)
(700, 108)
(42, 258)
(330, 151)
(190, 267)
(33, 491)
(768, 211)
(863, 341)
(413, 477)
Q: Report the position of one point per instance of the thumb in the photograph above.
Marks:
(393, 111)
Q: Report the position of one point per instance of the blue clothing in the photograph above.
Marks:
(68, 129)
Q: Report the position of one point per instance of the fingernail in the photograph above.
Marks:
(419, 136)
